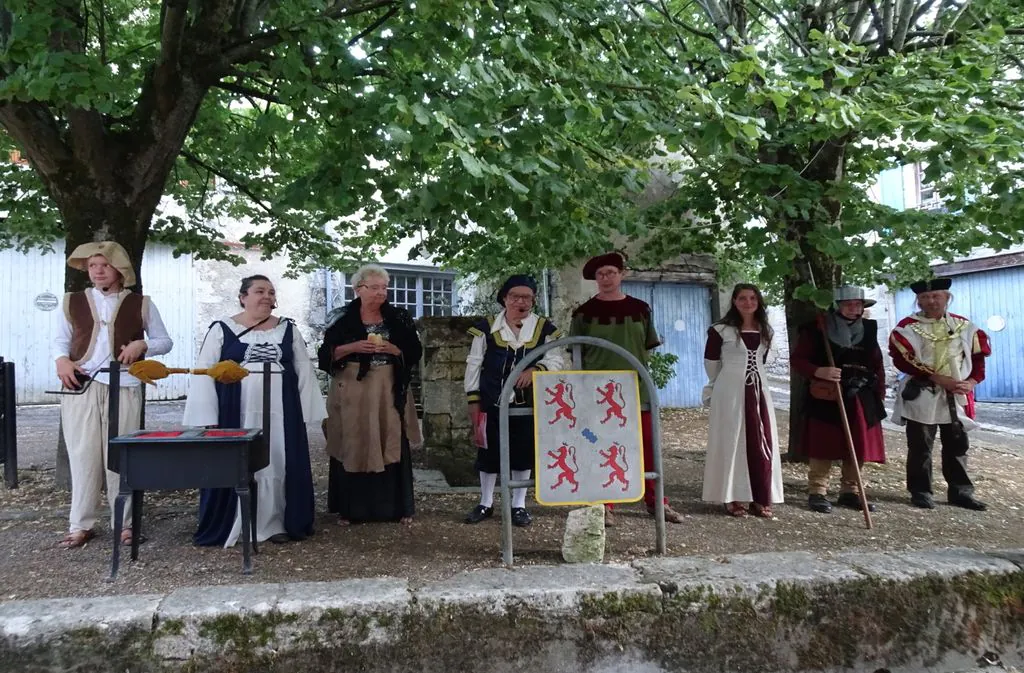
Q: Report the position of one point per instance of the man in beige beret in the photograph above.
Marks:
(103, 323)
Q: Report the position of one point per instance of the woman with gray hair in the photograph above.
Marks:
(369, 350)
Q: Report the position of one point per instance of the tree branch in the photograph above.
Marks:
(671, 59)
(921, 11)
(172, 30)
(876, 18)
(664, 11)
(903, 16)
(858, 26)
(784, 27)
(232, 180)
(246, 91)
(888, 7)
(381, 20)
(242, 52)
(35, 130)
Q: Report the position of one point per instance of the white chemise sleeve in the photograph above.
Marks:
(201, 407)
(313, 408)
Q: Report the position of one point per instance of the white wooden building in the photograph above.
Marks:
(31, 290)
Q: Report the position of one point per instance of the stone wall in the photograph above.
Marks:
(446, 429)
(938, 611)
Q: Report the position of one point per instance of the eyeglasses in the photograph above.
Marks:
(607, 274)
(520, 298)
(374, 288)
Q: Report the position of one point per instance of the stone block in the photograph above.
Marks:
(442, 330)
(356, 612)
(444, 397)
(202, 621)
(583, 541)
(25, 624)
(744, 573)
(437, 429)
(941, 562)
(455, 463)
(545, 589)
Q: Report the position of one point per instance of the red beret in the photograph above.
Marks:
(615, 259)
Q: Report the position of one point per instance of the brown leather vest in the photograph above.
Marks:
(128, 324)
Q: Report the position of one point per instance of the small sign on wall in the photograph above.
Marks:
(46, 301)
(588, 437)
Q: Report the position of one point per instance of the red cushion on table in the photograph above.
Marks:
(225, 433)
(160, 434)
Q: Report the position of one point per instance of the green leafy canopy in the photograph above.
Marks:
(497, 134)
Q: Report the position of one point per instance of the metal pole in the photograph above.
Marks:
(503, 413)
(266, 402)
(113, 404)
(10, 428)
(506, 475)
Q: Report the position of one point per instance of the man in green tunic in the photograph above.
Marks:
(627, 322)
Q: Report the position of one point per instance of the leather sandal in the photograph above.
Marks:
(761, 511)
(77, 538)
(735, 509)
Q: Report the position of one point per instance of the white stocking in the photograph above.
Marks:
(487, 482)
(519, 494)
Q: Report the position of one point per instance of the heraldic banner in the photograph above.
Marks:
(589, 444)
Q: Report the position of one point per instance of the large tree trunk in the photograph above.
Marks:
(106, 175)
(798, 314)
(810, 267)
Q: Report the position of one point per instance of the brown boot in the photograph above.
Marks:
(671, 516)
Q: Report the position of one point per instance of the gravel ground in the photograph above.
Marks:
(438, 544)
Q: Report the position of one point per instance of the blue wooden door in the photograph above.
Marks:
(682, 315)
(989, 299)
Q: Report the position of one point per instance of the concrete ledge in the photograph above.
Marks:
(786, 612)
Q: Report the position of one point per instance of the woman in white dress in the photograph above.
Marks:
(743, 464)
(285, 486)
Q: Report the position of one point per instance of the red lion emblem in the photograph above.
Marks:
(562, 455)
(617, 472)
(607, 395)
(562, 397)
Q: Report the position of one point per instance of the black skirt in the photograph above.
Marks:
(520, 445)
(372, 496)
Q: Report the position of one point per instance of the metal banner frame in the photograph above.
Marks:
(503, 413)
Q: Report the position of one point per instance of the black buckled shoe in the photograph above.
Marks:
(922, 500)
(520, 517)
(819, 503)
(968, 502)
(852, 501)
(479, 513)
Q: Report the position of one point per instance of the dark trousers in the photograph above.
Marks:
(920, 439)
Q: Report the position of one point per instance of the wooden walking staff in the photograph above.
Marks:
(846, 424)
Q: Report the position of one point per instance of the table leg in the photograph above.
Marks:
(253, 510)
(245, 503)
(136, 523)
(118, 525)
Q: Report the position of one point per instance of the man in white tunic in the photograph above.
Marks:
(497, 347)
(943, 356)
(104, 323)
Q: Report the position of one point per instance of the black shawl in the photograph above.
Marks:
(349, 328)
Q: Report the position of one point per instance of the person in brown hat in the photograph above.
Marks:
(627, 322)
(103, 323)
(943, 357)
